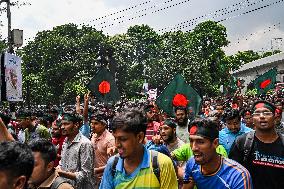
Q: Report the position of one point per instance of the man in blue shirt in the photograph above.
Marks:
(233, 128)
(207, 169)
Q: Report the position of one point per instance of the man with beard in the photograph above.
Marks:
(168, 135)
(233, 128)
(207, 169)
(134, 167)
(262, 151)
(182, 121)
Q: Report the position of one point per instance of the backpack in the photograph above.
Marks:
(58, 181)
(249, 139)
(155, 164)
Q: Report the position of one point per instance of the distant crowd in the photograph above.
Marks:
(230, 142)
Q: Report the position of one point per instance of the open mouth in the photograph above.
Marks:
(263, 123)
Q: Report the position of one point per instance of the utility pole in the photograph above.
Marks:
(10, 49)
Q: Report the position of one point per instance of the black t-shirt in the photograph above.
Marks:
(265, 163)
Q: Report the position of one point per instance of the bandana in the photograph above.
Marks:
(98, 118)
(169, 123)
(71, 117)
(203, 131)
(264, 104)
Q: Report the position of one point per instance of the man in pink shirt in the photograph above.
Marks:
(101, 140)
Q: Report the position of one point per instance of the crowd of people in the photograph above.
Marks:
(233, 142)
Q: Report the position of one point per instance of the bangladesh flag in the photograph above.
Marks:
(103, 86)
(266, 81)
(178, 93)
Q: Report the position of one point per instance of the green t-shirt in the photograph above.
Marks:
(184, 152)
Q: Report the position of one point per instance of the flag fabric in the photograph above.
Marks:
(103, 86)
(266, 81)
(178, 93)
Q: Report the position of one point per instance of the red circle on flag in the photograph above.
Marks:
(104, 87)
(180, 100)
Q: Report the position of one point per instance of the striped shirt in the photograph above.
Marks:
(230, 175)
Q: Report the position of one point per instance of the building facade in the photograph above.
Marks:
(250, 71)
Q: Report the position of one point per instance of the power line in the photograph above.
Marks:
(256, 9)
(269, 29)
(154, 11)
(224, 11)
(143, 10)
(123, 10)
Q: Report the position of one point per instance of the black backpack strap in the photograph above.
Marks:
(248, 145)
(155, 164)
(113, 167)
(281, 138)
(58, 181)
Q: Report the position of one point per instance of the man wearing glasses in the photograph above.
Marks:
(262, 153)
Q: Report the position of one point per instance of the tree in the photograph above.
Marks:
(57, 63)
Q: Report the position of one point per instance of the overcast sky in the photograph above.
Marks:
(254, 30)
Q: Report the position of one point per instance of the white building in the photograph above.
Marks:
(250, 71)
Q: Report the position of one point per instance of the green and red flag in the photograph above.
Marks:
(266, 81)
(178, 93)
(103, 86)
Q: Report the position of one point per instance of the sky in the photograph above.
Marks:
(251, 24)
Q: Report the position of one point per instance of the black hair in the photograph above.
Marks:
(100, 117)
(246, 111)
(170, 122)
(230, 114)
(181, 108)
(132, 121)
(209, 127)
(46, 149)
(16, 159)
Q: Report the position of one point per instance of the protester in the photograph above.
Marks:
(33, 130)
(152, 121)
(16, 165)
(101, 140)
(183, 122)
(132, 168)
(44, 175)
(77, 154)
(207, 169)
(57, 139)
(168, 135)
(233, 128)
(262, 151)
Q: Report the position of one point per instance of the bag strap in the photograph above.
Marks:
(281, 138)
(155, 164)
(58, 181)
(113, 167)
(248, 145)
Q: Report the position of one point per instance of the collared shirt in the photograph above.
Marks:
(100, 145)
(182, 132)
(226, 137)
(143, 176)
(49, 181)
(175, 145)
(77, 157)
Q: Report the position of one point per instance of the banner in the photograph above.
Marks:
(152, 94)
(13, 77)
